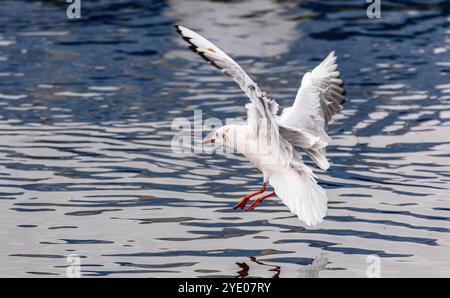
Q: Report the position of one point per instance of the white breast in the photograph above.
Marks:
(258, 151)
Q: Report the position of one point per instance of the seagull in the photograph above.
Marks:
(273, 143)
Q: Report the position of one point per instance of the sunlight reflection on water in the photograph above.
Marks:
(85, 130)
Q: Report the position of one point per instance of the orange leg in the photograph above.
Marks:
(244, 201)
(258, 201)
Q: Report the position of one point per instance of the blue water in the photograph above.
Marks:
(86, 165)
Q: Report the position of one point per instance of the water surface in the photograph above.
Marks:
(86, 167)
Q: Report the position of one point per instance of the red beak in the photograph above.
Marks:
(209, 141)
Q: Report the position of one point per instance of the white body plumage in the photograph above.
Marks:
(269, 142)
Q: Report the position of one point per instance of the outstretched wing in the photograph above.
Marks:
(320, 96)
(215, 56)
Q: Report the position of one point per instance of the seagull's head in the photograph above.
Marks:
(225, 136)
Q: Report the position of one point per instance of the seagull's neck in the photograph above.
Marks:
(239, 137)
(246, 142)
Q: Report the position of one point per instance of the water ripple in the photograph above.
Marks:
(86, 166)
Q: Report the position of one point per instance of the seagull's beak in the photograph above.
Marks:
(209, 141)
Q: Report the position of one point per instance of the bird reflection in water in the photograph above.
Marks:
(245, 268)
(310, 271)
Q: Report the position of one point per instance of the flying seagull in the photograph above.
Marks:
(271, 142)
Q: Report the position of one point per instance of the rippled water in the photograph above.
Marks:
(86, 168)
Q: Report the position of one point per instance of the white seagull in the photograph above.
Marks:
(270, 141)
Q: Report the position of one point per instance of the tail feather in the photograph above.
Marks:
(300, 192)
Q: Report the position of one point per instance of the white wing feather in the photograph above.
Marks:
(320, 96)
(215, 56)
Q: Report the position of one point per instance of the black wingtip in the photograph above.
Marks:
(194, 48)
(177, 27)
